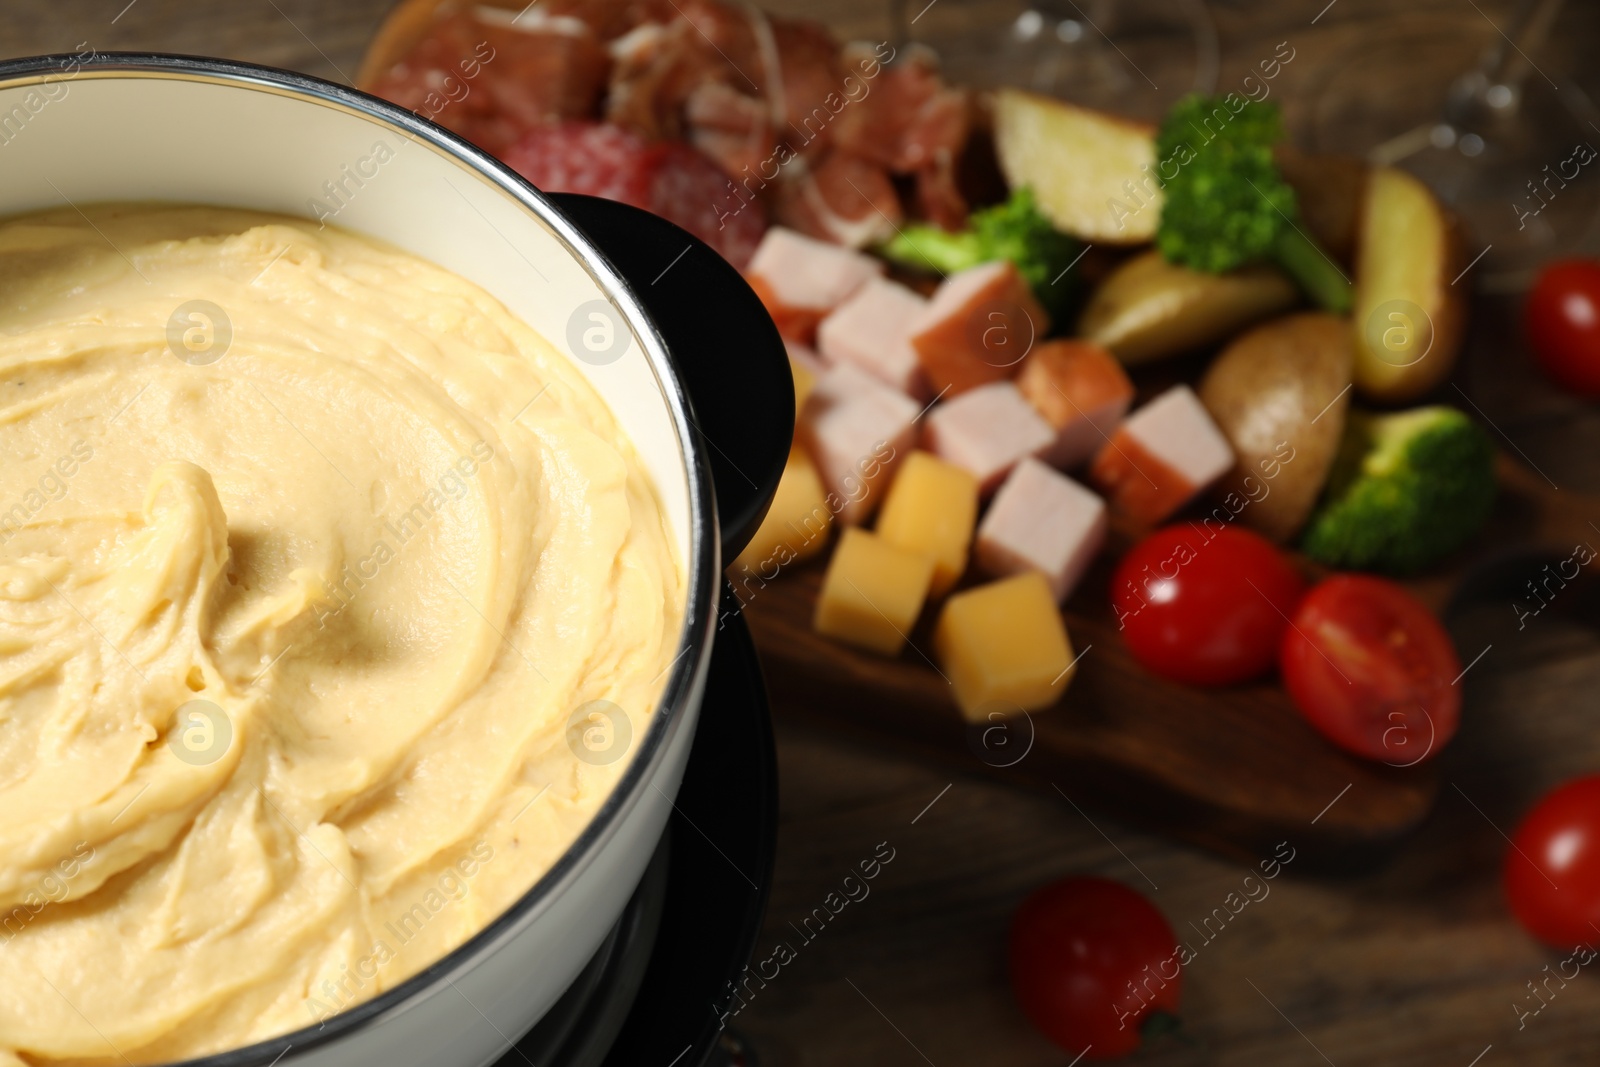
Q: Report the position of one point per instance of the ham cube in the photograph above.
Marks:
(800, 279)
(1042, 521)
(987, 431)
(872, 329)
(1081, 390)
(1167, 452)
(977, 327)
(856, 429)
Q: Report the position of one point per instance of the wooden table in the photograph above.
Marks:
(1416, 964)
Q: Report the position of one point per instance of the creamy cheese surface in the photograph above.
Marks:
(332, 603)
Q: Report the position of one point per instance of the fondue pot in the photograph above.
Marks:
(682, 351)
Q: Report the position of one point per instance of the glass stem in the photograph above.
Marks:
(1509, 64)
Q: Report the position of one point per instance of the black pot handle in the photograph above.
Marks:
(723, 343)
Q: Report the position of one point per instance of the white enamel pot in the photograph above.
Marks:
(88, 128)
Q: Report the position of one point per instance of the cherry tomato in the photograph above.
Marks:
(1562, 321)
(1553, 867)
(1204, 606)
(1092, 962)
(1373, 670)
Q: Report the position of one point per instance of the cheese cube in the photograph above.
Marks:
(873, 330)
(856, 429)
(873, 592)
(931, 508)
(796, 526)
(977, 327)
(987, 431)
(801, 279)
(1004, 648)
(1081, 390)
(1042, 521)
(806, 368)
(1167, 453)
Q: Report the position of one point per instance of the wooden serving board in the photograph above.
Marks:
(1233, 769)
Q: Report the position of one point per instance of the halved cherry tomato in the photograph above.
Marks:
(1553, 868)
(1206, 606)
(1373, 670)
(1562, 321)
(1094, 966)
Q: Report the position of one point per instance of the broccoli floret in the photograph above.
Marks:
(1226, 204)
(1406, 490)
(1014, 230)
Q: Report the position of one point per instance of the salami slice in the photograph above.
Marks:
(671, 179)
(693, 192)
(593, 158)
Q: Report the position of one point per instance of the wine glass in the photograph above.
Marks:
(1135, 57)
(1510, 142)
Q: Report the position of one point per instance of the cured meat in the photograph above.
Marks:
(691, 190)
(1042, 521)
(545, 69)
(978, 326)
(787, 68)
(810, 78)
(489, 79)
(593, 158)
(1163, 456)
(733, 128)
(1081, 390)
(801, 280)
(912, 123)
(835, 142)
(856, 430)
(872, 329)
(939, 198)
(844, 199)
(987, 430)
(877, 128)
(668, 178)
(705, 42)
(611, 19)
(655, 68)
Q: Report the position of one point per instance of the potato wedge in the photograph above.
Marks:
(1280, 394)
(1148, 309)
(1409, 318)
(1090, 172)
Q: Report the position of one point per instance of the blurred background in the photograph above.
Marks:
(1413, 960)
